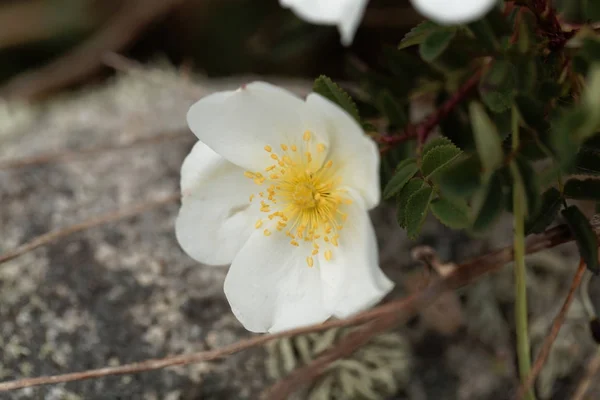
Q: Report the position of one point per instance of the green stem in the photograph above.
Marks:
(523, 349)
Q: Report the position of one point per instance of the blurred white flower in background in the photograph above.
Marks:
(280, 187)
(347, 14)
(450, 12)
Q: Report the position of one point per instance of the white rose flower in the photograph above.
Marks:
(280, 187)
(346, 14)
(451, 12)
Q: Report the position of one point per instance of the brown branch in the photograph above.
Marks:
(86, 59)
(551, 337)
(590, 371)
(64, 156)
(402, 308)
(424, 128)
(49, 237)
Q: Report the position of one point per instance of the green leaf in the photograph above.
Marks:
(462, 178)
(497, 85)
(532, 113)
(435, 142)
(592, 91)
(416, 210)
(435, 43)
(526, 176)
(487, 139)
(584, 234)
(582, 189)
(409, 189)
(417, 34)
(484, 33)
(452, 213)
(438, 158)
(392, 109)
(405, 171)
(327, 88)
(550, 205)
(488, 204)
(568, 131)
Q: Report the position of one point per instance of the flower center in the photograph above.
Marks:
(303, 194)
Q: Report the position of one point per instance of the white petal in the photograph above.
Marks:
(351, 150)
(271, 288)
(215, 218)
(346, 14)
(453, 11)
(239, 124)
(352, 277)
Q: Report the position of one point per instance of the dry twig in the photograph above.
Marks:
(87, 224)
(87, 58)
(551, 337)
(75, 154)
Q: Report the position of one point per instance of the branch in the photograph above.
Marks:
(87, 224)
(63, 156)
(86, 59)
(551, 337)
(383, 317)
(424, 128)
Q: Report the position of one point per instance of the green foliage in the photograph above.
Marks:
(436, 42)
(582, 189)
(488, 204)
(407, 191)
(418, 34)
(497, 86)
(550, 206)
(585, 237)
(437, 159)
(487, 139)
(462, 178)
(451, 212)
(330, 90)
(405, 171)
(416, 210)
(524, 173)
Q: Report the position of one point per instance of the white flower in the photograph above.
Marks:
(346, 14)
(452, 12)
(280, 187)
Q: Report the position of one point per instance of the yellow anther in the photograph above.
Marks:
(274, 157)
(326, 239)
(317, 196)
(306, 136)
(309, 261)
(268, 148)
(328, 164)
(294, 243)
(315, 245)
(308, 156)
(293, 147)
(334, 240)
(261, 194)
(315, 252)
(274, 176)
(287, 160)
(320, 147)
(265, 208)
(251, 197)
(270, 168)
(259, 181)
(328, 255)
(258, 224)
(249, 174)
(267, 232)
(284, 147)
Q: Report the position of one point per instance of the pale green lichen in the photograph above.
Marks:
(375, 371)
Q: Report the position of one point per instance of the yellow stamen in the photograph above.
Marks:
(268, 148)
(270, 168)
(267, 232)
(309, 261)
(284, 147)
(258, 224)
(328, 255)
(249, 174)
(293, 147)
(320, 147)
(306, 136)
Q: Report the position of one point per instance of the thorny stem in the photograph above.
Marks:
(523, 350)
(423, 129)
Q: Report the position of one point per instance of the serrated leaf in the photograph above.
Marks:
(488, 204)
(462, 178)
(435, 43)
(327, 88)
(525, 175)
(487, 139)
(452, 213)
(584, 234)
(391, 108)
(438, 158)
(567, 132)
(435, 142)
(582, 189)
(411, 187)
(416, 210)
(405, 171)
(550, 205)
(417, 34)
